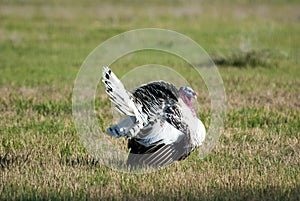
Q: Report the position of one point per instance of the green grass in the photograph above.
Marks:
(256, 47)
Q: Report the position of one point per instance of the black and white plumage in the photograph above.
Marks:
(161, 125)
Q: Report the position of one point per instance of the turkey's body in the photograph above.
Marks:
(160, 126)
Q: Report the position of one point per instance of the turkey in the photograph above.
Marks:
(161, 125)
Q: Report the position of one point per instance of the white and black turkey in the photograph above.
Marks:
(161, 125)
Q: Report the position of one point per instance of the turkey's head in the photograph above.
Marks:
(187, 94)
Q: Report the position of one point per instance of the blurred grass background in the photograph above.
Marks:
(255, 45)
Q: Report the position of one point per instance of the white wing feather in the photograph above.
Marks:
(165, 134)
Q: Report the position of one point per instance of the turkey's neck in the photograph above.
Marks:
(188, 102)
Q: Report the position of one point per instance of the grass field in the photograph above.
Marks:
(255, 46)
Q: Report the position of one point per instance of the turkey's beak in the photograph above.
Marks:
(195, 95)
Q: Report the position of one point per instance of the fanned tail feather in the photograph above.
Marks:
(116, 91)
(122, 99)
